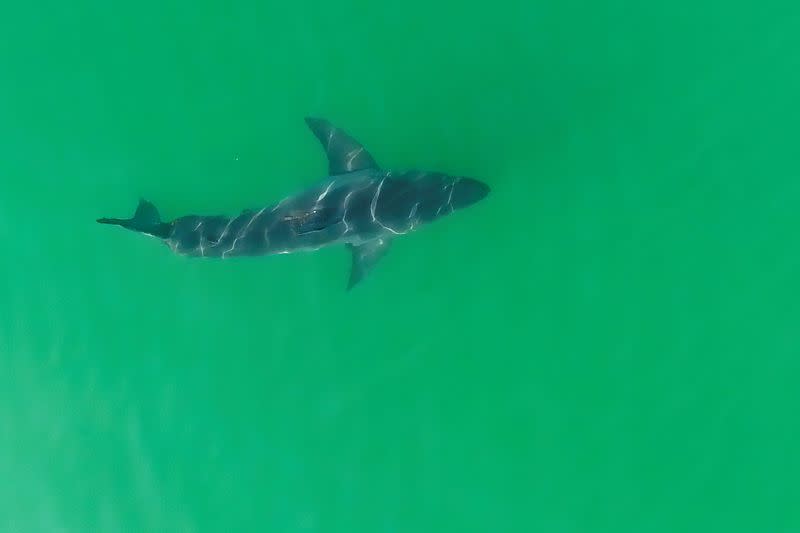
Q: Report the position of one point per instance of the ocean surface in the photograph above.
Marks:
(607, 343)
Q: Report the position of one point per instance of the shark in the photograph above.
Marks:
(359, 205)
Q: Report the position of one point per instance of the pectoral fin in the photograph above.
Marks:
(365, 256)
(345, 154)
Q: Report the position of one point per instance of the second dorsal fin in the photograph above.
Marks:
(345, 154)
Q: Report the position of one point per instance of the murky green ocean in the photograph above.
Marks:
(608, 343)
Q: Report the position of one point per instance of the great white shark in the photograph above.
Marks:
(359, 205)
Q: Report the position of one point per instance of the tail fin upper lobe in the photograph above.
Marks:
(145, 220)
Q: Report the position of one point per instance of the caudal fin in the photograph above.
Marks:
(145, 220)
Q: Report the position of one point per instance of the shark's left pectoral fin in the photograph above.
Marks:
(345, 154)
(365, 256)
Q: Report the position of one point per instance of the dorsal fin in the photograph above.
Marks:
(345, 154)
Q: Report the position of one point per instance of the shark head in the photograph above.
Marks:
(468, 191)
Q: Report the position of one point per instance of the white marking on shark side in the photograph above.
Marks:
(325, 192)
(373, 204)
(242, 232)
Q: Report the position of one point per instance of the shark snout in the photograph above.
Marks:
(467, 191)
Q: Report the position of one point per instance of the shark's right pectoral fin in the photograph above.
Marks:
(365, 256)
(345, 154)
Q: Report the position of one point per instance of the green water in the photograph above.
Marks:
(607, 343)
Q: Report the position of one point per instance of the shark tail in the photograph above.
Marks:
(145, 220)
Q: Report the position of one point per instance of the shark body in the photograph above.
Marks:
(359, 205)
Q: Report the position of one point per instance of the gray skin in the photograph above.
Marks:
(359, 205)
